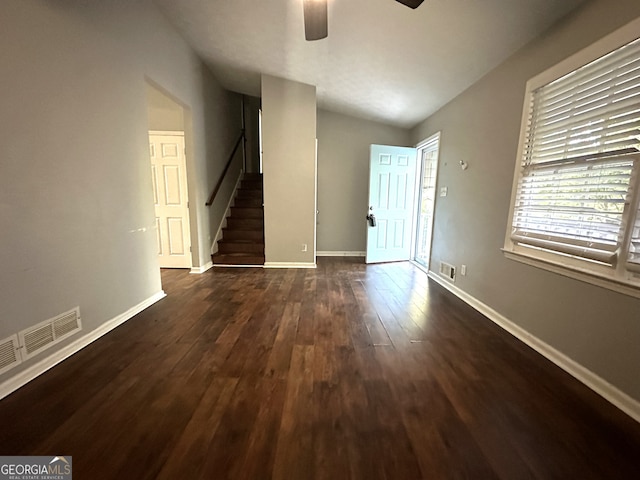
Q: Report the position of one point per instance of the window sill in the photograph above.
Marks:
(577, 273)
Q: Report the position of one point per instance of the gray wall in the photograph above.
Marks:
(289, 171)
(220, 130)
(252, 123)
(164, 113)
(598, 328)
(76, 210)
(343, 177)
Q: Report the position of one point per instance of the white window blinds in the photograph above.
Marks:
(581, 147)
(593, 111)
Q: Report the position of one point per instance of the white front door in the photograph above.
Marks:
(169, 175)
(392, 175)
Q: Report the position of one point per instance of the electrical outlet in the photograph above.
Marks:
(463, 270)
(443, 191)
(304, 247)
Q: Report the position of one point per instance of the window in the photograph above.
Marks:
(577, 186)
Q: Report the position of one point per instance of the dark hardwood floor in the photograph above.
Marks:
(346, 371)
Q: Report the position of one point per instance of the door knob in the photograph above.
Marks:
(372, 220)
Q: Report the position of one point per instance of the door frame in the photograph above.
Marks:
(187, 230)
(421, 147)
(200, 261)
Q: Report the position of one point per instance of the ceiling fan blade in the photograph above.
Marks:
(315, 19)
(411, 3)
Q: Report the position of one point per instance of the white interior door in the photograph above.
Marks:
(169, 175)
(392, 174)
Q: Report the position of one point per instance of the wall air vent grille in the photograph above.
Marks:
(9, 357)
(38, 338)
(66, 324)
(48, 333)
(448, 271)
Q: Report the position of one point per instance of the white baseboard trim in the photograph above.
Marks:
(329, 253)
(289, 265)
(204, 268)
(612, 394)
(24, 377)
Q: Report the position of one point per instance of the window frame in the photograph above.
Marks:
(619, 278)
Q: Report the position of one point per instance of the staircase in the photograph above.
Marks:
(242, 240)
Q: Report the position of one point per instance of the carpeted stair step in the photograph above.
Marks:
(255, 235)
(237, 259)
(247, 212)
(251, 202)
(247, 193)
(251, 185)
(245, 223)
(240, 246)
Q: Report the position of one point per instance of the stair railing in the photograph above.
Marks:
(226, 169)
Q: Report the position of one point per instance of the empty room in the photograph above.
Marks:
(308, 239)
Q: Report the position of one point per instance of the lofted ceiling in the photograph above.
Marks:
(382, 61)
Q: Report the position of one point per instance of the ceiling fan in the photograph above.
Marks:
(315, 17)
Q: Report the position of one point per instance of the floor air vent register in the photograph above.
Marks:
(33, 340)
(448, 271)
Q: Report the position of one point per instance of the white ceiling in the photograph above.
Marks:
(382, 61)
